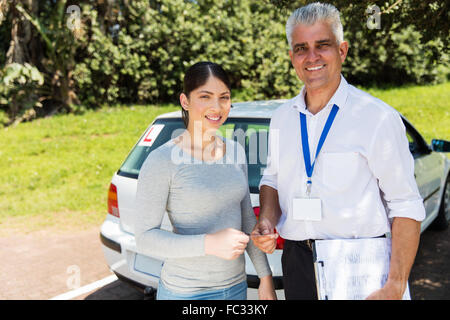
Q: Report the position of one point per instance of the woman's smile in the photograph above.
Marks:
(215, 119)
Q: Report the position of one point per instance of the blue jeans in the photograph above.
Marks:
(236, 292)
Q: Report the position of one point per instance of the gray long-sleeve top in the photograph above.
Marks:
(200, 198)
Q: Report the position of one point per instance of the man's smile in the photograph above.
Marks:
(315, 68)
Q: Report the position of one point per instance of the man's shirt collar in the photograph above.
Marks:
(339, 98)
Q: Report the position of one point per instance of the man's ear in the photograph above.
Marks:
(184, 101)
(343, 50)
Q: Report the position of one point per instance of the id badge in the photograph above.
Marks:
(309, 209)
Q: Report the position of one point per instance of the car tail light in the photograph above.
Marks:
(280, 240)
(113, 206)
(256, 211)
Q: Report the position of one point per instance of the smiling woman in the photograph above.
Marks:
(208, 201)
(205, 103)
(197, 76)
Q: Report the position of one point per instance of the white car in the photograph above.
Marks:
(248, 122)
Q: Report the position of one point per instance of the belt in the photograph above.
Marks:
(309, 242)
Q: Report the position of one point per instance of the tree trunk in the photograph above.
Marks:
(22, 34)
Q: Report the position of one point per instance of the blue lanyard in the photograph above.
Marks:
(306, 155)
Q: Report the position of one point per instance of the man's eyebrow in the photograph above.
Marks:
(302, 44)
(323, 41)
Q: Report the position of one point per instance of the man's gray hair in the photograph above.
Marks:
(312, 13)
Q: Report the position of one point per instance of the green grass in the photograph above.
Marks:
(426, 107)
(55, 172)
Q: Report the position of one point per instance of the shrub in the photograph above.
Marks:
(19, 87)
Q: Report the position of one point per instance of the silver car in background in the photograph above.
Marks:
(248, 123)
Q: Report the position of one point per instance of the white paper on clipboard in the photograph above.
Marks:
(352, 269)
(150, 135)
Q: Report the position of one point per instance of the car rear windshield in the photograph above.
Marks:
(251, 133)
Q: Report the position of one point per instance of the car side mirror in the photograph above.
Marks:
(440, 145)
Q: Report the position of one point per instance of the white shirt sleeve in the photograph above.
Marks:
(392, 164)
(270, 176)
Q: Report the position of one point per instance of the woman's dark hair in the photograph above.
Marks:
(197, 75)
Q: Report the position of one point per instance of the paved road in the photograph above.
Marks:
(429, 280)
(46, 264)
(430, 276)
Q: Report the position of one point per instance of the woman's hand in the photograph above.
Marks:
(263, 236)
(227, 244)
(266, 290)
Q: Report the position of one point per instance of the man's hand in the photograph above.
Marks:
(405, 241)
(392, 290)
(263, 236)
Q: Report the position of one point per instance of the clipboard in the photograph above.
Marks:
(351, 269)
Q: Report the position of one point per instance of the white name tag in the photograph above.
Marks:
(307, 209)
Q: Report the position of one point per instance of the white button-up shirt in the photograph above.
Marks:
(364, 174)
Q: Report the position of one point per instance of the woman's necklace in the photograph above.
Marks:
(211, 151)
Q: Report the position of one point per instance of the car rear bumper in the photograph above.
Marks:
(110, 243)
(253, 282)
(119, 249)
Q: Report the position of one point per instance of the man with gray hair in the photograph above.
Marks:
(340, 167)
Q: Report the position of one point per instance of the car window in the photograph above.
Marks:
(226, 130)
(417, 145)
(412, 143)
(133, 163)
(256, 148)
(252, 134)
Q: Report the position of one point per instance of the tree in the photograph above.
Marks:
(40, 36)
(409, 45)
(137, 51)
(19, 77)
(431, 17)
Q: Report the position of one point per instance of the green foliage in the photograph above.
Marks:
(19, 85)
(144, 59)
(59, 59)
(97, 75)
(430, 18)
(410, 46)
(46, 81)
(394, 57)
(402, 51)
(155, 44)
(137, 51)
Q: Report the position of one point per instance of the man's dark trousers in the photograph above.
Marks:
(298, 271)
